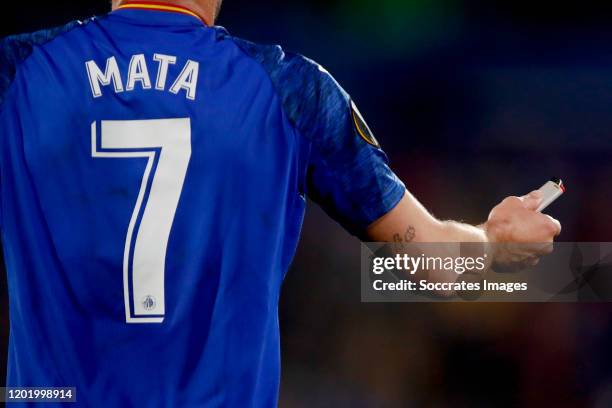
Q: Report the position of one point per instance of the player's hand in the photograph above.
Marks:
(520, 234)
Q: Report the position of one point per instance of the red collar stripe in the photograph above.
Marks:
(159, 7)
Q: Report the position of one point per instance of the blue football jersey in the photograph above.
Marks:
(153, 175)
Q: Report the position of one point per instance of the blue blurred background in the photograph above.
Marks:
(473, 101)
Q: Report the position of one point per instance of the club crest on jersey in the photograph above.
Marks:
(362, 127)
(138, 75)
(149, 303)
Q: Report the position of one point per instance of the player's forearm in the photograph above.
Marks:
(409, 222)
(415, 232)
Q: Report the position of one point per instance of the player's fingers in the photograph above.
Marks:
(552, 226)
(532, 200)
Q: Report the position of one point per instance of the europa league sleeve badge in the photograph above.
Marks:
(362, 127)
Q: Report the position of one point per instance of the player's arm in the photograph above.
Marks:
(345, 171)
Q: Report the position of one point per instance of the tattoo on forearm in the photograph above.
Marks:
(405, 238)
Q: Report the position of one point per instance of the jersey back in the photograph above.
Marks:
(152, 185)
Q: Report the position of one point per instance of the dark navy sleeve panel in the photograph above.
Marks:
(17, 48)
(349, 177)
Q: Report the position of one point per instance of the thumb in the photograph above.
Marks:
(532, 200)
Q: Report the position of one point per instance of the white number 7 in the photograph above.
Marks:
(166, 144)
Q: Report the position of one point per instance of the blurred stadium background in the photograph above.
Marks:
(472, 101)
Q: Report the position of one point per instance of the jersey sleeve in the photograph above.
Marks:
(13, 51)
(346, 171)
(17, 48)
(9, 57)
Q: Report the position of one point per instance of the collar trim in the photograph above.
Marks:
(146, 5)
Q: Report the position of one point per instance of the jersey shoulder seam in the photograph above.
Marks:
(354, 229)
(239, 43)
(31, 40)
